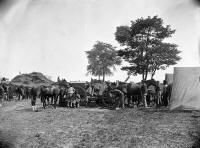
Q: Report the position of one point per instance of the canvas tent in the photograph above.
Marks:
(169, 78)
(186, 89)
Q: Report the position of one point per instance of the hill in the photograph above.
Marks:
(31, 79)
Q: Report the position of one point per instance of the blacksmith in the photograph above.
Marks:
(119, 97)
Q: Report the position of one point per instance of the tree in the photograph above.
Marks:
(102, 58)
(144, 48)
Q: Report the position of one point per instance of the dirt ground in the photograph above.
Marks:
(96, 127)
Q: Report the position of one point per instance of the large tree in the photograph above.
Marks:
(144, 47)
(102, 59)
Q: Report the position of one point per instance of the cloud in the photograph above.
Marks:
(51, 35)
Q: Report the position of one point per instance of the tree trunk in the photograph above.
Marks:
(143, 75)
(127, 78)
(103, 75)
(152, 75)
(99, 77)
(146, 74)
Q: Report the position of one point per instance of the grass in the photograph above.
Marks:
(95, 127)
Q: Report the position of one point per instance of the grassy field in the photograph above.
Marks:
(96, 127)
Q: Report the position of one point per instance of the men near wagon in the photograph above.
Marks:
(144, 91)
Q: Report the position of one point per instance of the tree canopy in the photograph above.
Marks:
(144, 47)
(102, 59)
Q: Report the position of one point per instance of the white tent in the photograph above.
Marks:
(169, 78)
(186, 89)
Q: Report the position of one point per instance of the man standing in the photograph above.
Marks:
(71, 91)
(158, 93)
(144, 92)
(165, 94)
(35, 93)
(1, 94)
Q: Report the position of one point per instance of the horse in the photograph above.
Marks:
(49, 92)
(20, 91)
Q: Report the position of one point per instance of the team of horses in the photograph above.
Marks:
(157, 95)
(49, 94)
(57, 94)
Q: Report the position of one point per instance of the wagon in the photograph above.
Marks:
(87, 99)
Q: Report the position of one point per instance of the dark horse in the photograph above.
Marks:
(49, 92)
(133, 91)
(20, 91)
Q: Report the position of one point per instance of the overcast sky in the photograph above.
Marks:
(50, 36)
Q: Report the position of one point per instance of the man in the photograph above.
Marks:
(1, 94)
(158, 93)
(90, 90)
(90, 93)
(165, 94)
(119, 97)
(77, 99)
(35, 93)
(144, 91)
(70, 91)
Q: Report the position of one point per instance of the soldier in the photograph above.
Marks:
(164, 94)
(1, 94)
(77, 99)
(70, 91)
(35, 92)
(90, 93)
(158, 94)
(144, 92)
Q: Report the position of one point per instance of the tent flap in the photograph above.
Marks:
(186, 88)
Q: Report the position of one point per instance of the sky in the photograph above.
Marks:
(51, 36)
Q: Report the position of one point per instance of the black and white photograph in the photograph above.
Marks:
(99, 73)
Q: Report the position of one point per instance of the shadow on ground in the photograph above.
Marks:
(5, 141)
(165, 110)
(39, 109)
